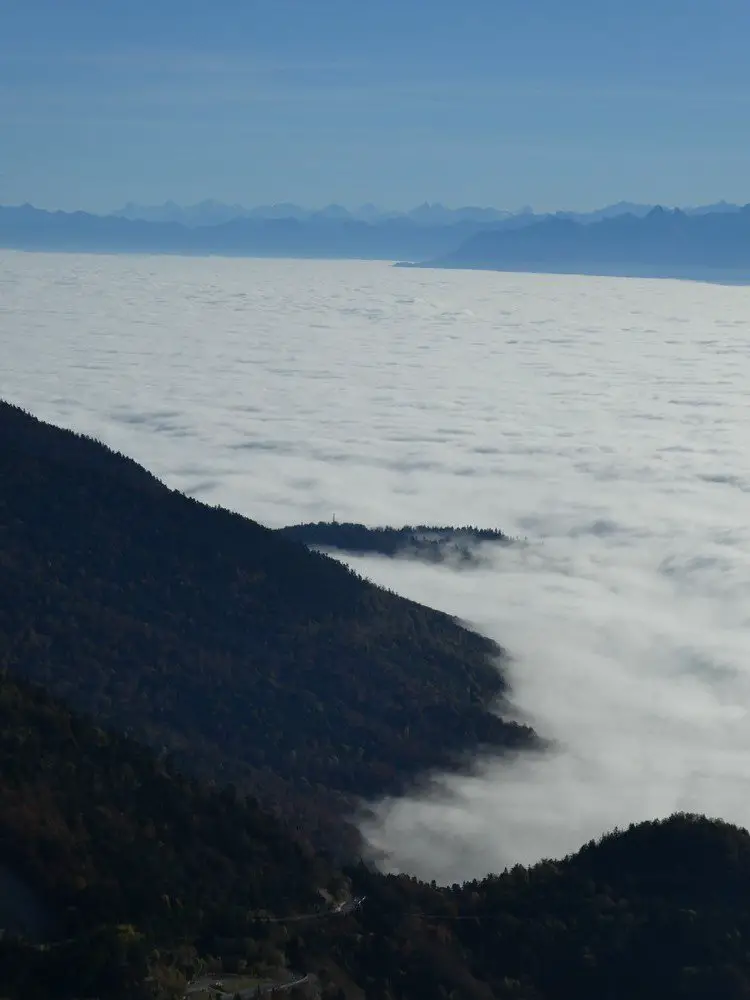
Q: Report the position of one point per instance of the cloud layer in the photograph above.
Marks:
(603, 419)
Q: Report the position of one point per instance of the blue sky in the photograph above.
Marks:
(495, 102)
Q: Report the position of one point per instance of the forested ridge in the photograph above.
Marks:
(429, 543)
(256, 660)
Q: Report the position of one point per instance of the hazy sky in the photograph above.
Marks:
(504, 102)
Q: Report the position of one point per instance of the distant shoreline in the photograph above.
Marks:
(714, 276)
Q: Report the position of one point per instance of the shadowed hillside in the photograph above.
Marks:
(122, 854)
(149, 879)
(657, 911)
(254, 659)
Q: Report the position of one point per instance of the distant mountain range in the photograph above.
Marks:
(708, 241)
(214, 213)
(29, 228)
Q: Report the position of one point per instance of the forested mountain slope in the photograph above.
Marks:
(123, 855)
(255, 659)
(660, 911)
(146, 879)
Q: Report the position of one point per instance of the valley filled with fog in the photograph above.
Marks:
(604, 420)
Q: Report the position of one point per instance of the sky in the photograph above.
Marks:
(495, 102)
(604, 420)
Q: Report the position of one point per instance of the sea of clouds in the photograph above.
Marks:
(605, 420)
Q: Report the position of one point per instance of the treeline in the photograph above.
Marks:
(428, 543)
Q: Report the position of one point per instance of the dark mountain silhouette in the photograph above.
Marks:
(427, 543)
(251, 657)
(668, 243)
(143, 879)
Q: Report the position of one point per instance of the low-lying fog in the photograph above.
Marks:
(606, 420)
